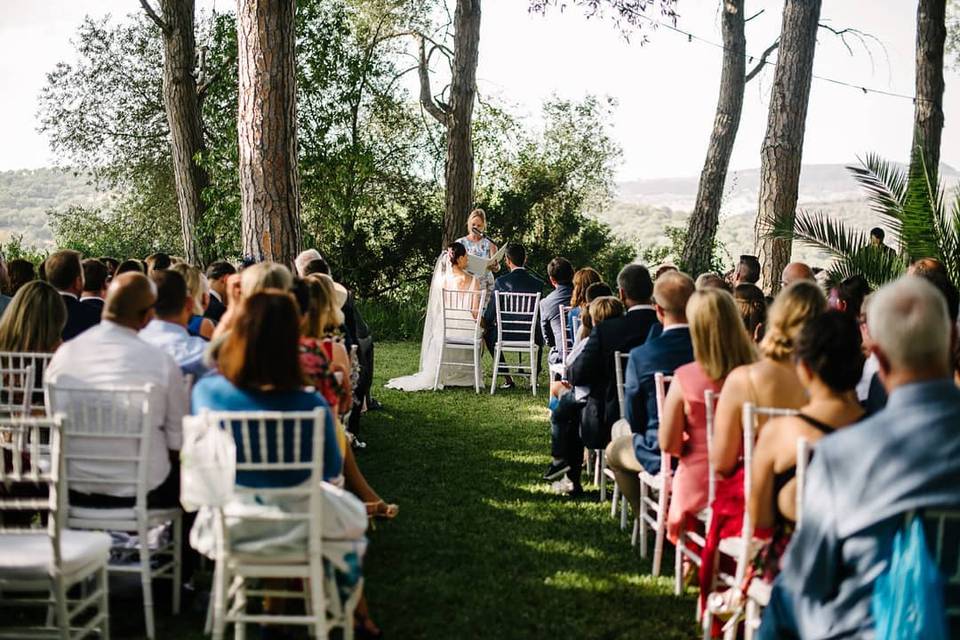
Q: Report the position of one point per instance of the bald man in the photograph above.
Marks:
(111, 354)
(796, 271)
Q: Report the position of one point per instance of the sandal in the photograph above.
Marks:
(363, 628)
(382, 510)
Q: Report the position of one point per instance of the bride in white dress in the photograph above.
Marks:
(449, 274)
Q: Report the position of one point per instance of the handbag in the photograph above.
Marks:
(208, 464)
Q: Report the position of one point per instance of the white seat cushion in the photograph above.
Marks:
(30, 556)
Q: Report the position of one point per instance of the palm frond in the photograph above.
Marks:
(885, 185)
(850, 248)
(921, 209)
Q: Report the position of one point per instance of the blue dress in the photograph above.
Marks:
(216, 393)
(193, 326)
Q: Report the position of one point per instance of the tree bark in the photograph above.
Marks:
(267, 130)
(182, 106)
(782, 151)
(928, 112)
(702, 227)
(463, 94)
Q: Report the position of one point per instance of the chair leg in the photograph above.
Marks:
(476, 369)
(660, 536)
(239, 627)
(63, 620)
(146, 580)
(496, 368)
(533, 370)
(636, 531)
(220, 578)
(615, 501)
(436, 379)
(678, 564)
(603, 476)
(623, 513)
(644, 492)
(752, 619)
(317, 603)
(177, 562)
(104, 579)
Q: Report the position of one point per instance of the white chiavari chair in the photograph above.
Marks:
(39, 362)
(108, 444)
(655, 494)
(620, 361)
(39, 564)
(462, 313)
(516, 333)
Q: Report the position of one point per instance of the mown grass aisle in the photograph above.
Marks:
(482, 548)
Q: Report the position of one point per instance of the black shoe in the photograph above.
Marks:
(508, 385)
(555, 470)
(374, 405)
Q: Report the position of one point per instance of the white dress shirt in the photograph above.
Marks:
(173, 338)
(112, 355)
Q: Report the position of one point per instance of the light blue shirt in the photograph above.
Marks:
(862, 480)
(186, 349)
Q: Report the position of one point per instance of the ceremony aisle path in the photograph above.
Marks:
(482, 548)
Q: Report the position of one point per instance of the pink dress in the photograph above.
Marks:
(690, 489)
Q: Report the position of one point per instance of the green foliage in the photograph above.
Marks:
(14, 249)
(672, 252)
(912, 205)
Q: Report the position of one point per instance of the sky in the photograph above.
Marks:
(666, 89)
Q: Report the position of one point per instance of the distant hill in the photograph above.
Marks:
(642, 210)
(645, 208)
(27, 194)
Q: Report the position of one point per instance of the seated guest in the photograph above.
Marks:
(594, 367)
(747, 271)
(254, 278)
(304, 258)
(517, 280)
(131, 265)
(199, 291)
(111, 264)
(794, 272)
(65, 272)
(34, 320)
(711, 281)
(111, 354)
(317, 266)
(863, 480)
(217, 274)
(168, 330)
(720, 345)
(635, 445)
(753, 309)
(770, 382)
(560, 273)
(582, 280)
(21, 272)
(565, 443)
(95, 278)
(828, 362)
(157, 262)
(848, 295)
(926, 265)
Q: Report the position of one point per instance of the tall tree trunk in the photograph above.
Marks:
(267, 130)
(702, 228)
(463, 93)
(782, 151)
(182, 105)
(928, 113)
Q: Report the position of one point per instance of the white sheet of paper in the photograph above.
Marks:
(478, 266)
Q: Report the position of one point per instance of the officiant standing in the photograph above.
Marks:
(478, 244)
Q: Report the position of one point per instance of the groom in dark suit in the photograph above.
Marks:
(518, 280)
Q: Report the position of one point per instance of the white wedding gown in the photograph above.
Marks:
(432, 342)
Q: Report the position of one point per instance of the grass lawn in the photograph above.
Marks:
(481, 548)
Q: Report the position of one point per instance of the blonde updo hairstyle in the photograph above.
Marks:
(197, 286)
(265, 275)
(791, 310)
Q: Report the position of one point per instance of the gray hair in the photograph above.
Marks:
(908, 321)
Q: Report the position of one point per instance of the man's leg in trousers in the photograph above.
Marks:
(622, 460)
(574, 452)
(567, 411)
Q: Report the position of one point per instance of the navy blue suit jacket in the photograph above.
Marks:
(662, 354)
(80, 317)
(594, 368)
(517, 281)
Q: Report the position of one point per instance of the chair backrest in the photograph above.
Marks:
(462, 312)
(32, 453)
(109, 434)
(804, 453)
(567, 340)
(749, 418)
(710, 407)
(16, 391)
(517, 315)
(661, 381)
(620, 360)
(274, 443)
(943, 537)
(39, 362)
